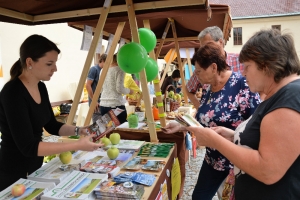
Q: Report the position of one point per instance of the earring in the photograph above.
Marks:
(30, 67)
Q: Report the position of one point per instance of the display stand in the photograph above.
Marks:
(178, 138)
(152, 191)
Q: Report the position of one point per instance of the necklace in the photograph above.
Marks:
(210, 95)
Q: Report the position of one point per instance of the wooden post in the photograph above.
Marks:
(143, 78)
(157, 86)
(166, 68)
(88, 61)
(162, 40)
(179, 61)
(104, 72)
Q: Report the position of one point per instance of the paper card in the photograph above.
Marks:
(86, 38)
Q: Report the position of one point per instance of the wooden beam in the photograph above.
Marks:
(195, 38)
(167, 68)
(179, 61)
(16, 15)
(163, 37)
(88, 62)
(143, 78)
(107, 63)
(104, 32)
(117, 9)
(159, 99)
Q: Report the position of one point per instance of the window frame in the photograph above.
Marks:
(237, 36)
(278, 27)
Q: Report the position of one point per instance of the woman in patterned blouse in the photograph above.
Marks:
(226, 101)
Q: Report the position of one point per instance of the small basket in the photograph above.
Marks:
(174, 105)
(136, 102)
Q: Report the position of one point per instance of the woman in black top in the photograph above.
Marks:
(265, 150)
(25, 109)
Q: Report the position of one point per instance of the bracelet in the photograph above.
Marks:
(76, 130)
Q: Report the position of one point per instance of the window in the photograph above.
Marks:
(237, 36)
(278, 27)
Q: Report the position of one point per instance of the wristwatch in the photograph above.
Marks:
(77, 130)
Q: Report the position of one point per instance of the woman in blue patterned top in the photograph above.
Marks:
(226, 101)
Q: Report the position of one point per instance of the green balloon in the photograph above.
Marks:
(151, 69)
(132, 58)
(147, 39)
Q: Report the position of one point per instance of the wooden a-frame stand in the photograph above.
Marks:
(135, 38)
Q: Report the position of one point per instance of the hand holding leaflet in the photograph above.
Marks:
(187, 120)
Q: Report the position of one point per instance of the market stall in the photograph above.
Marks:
(123, 18)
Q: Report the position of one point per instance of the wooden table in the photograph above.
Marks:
(178, 138)
(152, 191)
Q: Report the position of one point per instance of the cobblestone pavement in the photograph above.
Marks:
(192, 170)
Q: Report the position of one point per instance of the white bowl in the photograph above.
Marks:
(141, 116)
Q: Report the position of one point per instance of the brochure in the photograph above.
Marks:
(135, 163)
(78, 185)
(56, 171)
(34, 190)
(127, 190)
(127, 144)
(154, 165)
(187, 120)
(104, 124)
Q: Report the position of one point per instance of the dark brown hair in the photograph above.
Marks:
(176, 74)
(102, 58)
(273, 52)
(208, 54)
(34, 47)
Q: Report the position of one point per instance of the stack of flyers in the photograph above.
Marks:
(124, 177)
(135, 163)
(156, 150)
(111, 190)
(34, 190)
(135, 177)
(154, 165)
(144, 179)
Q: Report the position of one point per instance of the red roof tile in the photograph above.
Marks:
(260, 8)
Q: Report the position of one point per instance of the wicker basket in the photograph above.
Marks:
(174, 105)
(136, 102)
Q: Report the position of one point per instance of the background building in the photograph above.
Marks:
(253, 15)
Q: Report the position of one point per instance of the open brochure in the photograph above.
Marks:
(53, 171)
(104, 124)
(34, 190)
(187, 120)
(78, 185)
(127, 144)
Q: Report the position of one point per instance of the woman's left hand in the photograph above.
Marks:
(204, 136)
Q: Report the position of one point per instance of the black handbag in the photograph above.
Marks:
(65, 108)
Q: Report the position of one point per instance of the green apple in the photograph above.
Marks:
(171, 94)
(115, 138)
(113, 152)
(65, 157)
(18, 189)
(105, 141)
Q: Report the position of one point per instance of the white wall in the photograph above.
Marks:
(71, 60)
(290, 24)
